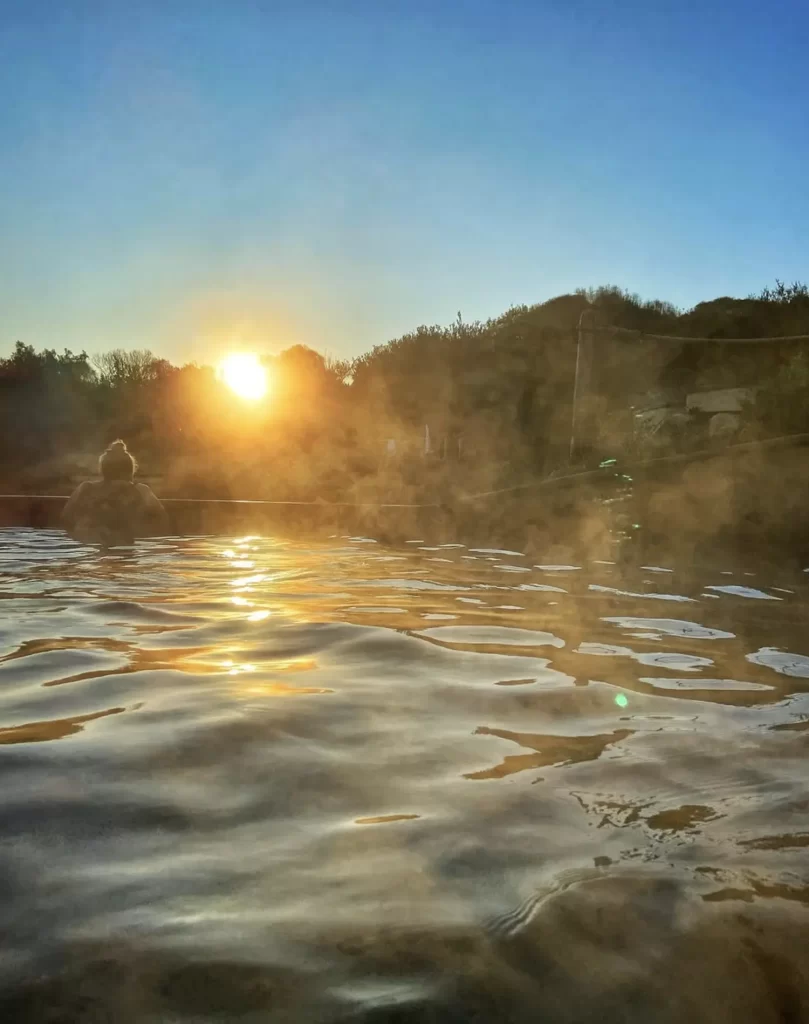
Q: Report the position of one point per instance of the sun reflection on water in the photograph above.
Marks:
(477, 771)
(258, 616)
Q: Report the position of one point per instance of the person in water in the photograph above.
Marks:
(114, 510)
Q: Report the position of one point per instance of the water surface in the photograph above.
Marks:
(253, 779)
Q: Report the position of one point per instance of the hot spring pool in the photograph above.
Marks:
(256, 780)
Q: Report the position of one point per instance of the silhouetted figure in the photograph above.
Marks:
(114, 510)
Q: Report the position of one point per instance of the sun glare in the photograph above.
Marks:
(244, 374)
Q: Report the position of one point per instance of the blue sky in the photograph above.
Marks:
(187, 175)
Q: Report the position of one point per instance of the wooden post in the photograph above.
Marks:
(580, 425)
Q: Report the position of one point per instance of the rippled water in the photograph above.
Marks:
(254, 779)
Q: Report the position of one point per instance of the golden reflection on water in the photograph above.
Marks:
(386, 818)
(54, 729)
(550, 750)
(543, 800)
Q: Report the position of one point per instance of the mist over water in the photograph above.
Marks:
(256, 779)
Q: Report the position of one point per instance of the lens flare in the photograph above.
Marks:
(244, 375)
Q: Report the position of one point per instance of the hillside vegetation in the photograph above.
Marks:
(495, 397)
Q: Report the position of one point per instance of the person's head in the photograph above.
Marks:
(116, 463)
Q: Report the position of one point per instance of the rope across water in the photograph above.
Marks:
(551, 481)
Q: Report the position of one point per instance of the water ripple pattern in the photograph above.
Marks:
(252, 779)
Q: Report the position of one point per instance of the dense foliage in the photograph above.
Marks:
(495, 397)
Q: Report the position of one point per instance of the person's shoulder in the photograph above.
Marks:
(82, 499)
(148, 496)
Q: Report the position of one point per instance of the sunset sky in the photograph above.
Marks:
(179, 175)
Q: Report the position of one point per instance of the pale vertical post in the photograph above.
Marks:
(585, 346)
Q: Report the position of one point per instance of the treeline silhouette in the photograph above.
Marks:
(466, 406)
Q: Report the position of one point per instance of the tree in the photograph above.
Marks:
(119, 368)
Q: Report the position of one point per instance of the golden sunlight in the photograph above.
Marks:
(244, 375)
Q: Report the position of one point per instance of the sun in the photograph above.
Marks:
(244, 375)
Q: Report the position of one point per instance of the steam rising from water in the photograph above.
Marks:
(332, 786)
